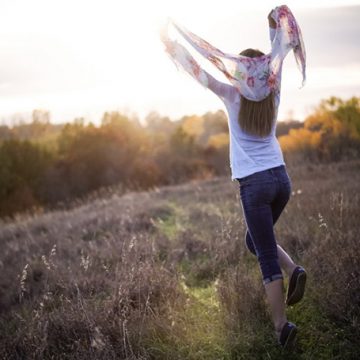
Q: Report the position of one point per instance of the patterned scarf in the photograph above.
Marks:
(255, 77)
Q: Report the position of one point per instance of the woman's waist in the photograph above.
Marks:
(276, 172)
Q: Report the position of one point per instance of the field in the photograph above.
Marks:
(165, 274)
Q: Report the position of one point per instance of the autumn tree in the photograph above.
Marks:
(22, 169)
(331, 133)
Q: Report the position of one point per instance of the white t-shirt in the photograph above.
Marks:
(248, 153)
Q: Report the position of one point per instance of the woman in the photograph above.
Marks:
(256, 158)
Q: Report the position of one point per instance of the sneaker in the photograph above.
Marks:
(287, 335)
(296, 287)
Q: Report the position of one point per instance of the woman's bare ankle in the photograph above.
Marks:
(279, 325)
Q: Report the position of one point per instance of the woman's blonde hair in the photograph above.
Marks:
(256, 117)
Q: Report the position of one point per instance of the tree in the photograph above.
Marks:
(332, 132)
(23, 166)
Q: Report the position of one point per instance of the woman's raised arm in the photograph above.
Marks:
(185, 61)
(225, 91)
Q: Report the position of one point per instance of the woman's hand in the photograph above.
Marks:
(272, 22)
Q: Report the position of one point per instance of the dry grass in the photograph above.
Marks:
(165, 274)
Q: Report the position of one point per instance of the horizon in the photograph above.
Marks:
(52, 63)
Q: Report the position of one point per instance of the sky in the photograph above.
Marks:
(80, 58)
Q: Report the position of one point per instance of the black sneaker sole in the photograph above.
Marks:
(298, 293)
(290, 340)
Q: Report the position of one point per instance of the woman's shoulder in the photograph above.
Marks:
(233, 97)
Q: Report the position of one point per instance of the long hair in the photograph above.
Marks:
(256, 117)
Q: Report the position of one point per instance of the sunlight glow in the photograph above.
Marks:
(80, 58)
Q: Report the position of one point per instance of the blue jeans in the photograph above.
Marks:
(264, 195)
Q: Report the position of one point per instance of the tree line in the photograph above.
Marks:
(330, 133)
(44, 164)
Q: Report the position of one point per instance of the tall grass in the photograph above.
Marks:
(166, 275)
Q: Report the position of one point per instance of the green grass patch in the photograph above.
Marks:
(171, 223)
(196, 331)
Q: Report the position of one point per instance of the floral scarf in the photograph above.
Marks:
(254, 78)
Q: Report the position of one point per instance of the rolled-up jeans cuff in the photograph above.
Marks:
(272, 278)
